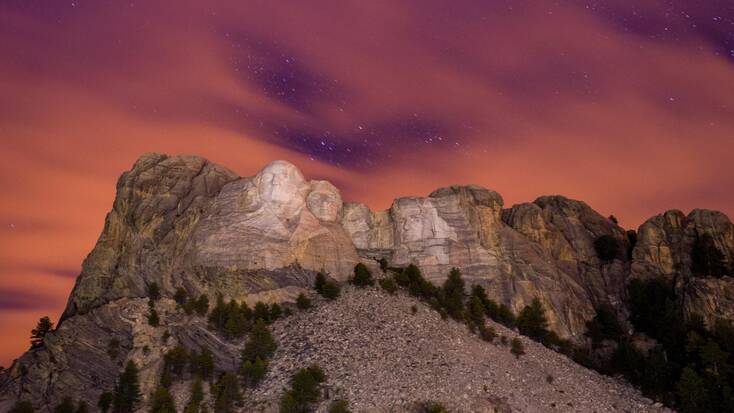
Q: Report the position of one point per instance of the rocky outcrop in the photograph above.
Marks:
(664, 249)
(184, 222)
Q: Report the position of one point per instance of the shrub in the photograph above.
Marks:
(362, 276)
(549, 379)
(260, 344)
(253, 371)
(303, 302)
(339, 406)
(319, 282)
(516, 347)
(82, 407)
(388, 285)
(331, 290)
(154, 292)
(475, 311)
(413, 309)
(38, 334)
(706, 259)
(532, 321)
(105, 402)
(180, 296)
(499, 313)
(607, 248)
(487, 333)
(153, 318)
(604, 325)
(226, 392)
(24, 406)
(431, 407)
(66, 406)
(201, 305)
(383, 264)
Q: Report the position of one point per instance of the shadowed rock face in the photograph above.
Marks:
(181, 221)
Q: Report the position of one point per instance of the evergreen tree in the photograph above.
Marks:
(692, 392)
(180, 296)
(304, 390)
(330, 291)
(202, 364)
(22, 406)
(162, 402)
(604, 325)
(475, 311)
(452, 295)
(260, 343)
(262, 311)
(82, 407)
(706, 258)
(197, 397)
(319, 282)
(175, 361)
(275, 312)
(153, 318)
(127, 392)
(43, 327)
(226, 393)
(254, 371)
(388, 285)
(532, 321)
(66, 406)
(154, 292)
(218, 315)
(105, 401)
(362, 276)
(303, 302)
(202, 305)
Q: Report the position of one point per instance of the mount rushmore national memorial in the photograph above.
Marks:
(207, 291)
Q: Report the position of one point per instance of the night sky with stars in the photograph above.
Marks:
(627, 105)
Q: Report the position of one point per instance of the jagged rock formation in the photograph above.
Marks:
(183, 222)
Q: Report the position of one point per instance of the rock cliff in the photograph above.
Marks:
(184, 222)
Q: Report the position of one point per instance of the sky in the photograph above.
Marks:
(627, 105)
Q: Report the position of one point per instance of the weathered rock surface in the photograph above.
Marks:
(181, 221)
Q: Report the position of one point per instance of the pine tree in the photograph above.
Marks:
(339, 406)
(202, 305)
(162, 402)
(275, 312)
(254, 371)
(516, 347)
(197, 396)
(692, 392)
(532, 321)
(43, 327)
(105, 401)
(66, 406)
(303, 302)
(262, 311)
(330, 291)
(226, 393)
(82, 407)
(127, 392)
(153, 318)
(260, 344)
(22, 406)
(452, 295)
(154, 292)
(180, 296)
(202, 364)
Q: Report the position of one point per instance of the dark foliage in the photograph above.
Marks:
(161, 401)
(304, 392)
(153, 318)
(66, 406)
(604, 325)
(331, 290)
(706, 259)
(105, 401)
(339, 406)
(180, 296)
(319, 282)
(383, 264)
(127, 392)
(43, 327)
(498, 313)
(607, 248)
(303, 302)
(253, 371)
(226, 393)
(232, 319)
(388, 284)
(197, 396)
(23, 406)
(260, 344)
(452, 295)
(431, 407)
(532, 321)
(516, 347)
(201, 364)
(362, 276)
(154, 292)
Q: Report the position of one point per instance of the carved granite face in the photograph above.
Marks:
(282, 188)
